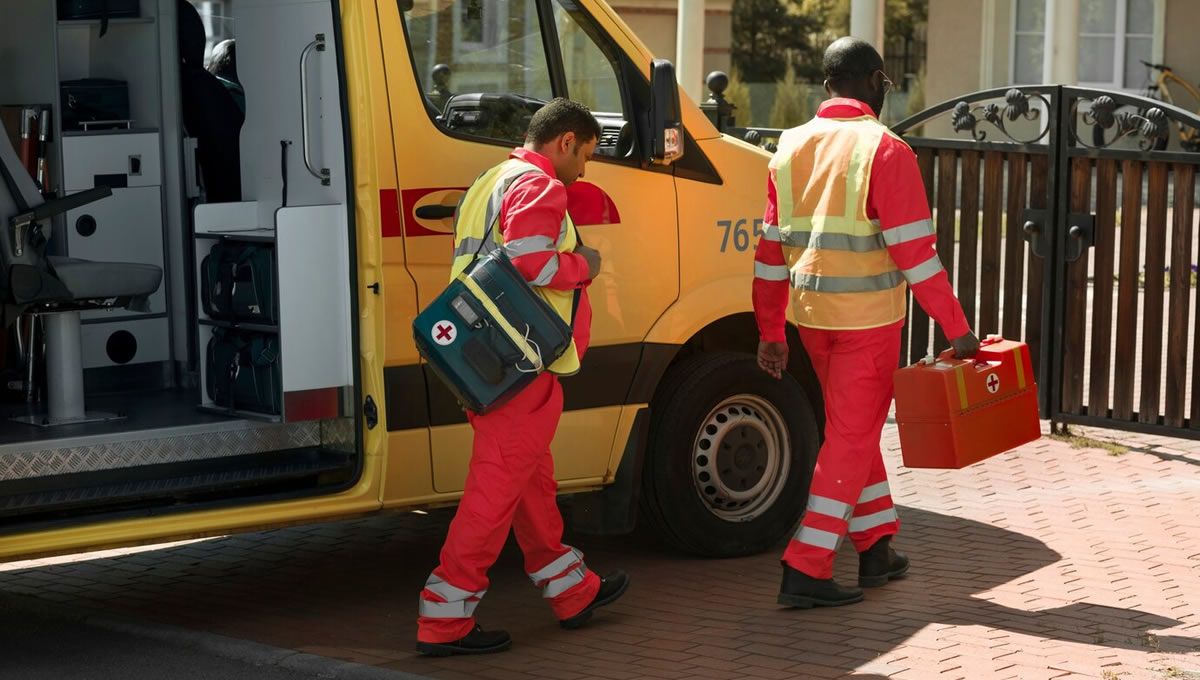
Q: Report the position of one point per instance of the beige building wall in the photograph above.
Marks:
(953, 50)
(655, 22)
(1181, 48)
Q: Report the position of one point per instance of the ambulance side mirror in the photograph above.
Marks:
(666, 121)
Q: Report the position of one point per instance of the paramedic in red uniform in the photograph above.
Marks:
(847, 228)
(511, 478)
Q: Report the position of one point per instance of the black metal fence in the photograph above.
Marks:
(1066, 217)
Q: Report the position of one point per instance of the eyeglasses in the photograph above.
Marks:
(887, 83)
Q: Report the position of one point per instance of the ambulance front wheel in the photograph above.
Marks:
(730, 456)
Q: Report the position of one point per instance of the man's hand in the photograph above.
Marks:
(593, 259)
(773, 358)
(965, 347)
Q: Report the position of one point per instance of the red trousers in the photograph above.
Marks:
(510, 484)
(849, 491)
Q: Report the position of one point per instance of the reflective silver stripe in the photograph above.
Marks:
(819, 538)
(448, 592)
(830, 507)
(770, 233)
(770, 272)
(497, 197)
(556, 567)
(908, 232)
(545, 276)
(463, 609)
(562, 232)
(873, 520)
(470, 246)
(923, 271)
(875, 492)
(527, 245)
(459, 604)
(847, 284)
(822, 240)
(564, 583)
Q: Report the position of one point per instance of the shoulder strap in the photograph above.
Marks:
(487, 235)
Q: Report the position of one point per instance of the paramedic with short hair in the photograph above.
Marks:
(511, 478)
(847, 230)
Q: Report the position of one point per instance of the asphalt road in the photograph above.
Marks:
(45, 641)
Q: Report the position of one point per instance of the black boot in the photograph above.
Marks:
(478, 641)
(880, 563)
(612, 587)
(804, 592)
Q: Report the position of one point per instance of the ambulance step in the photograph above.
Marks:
(159, 485)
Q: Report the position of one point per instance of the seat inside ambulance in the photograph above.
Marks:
(175, 256)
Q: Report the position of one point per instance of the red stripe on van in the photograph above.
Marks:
(389, 213)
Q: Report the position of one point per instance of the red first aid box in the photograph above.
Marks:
(952, 412)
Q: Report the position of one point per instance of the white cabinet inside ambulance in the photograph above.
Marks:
(210, 269)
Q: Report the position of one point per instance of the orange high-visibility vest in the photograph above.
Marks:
(841, 274)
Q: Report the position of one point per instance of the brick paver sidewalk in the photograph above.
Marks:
(1048, 562)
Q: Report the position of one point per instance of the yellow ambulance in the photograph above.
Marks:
(271, 376)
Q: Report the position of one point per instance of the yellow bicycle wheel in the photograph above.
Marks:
(1181, 93)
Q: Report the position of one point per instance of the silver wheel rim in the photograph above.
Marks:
(740, 459)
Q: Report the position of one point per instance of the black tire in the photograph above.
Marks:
(714, 519)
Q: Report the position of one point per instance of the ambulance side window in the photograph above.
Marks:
(485, 66)
(481, 64)
(591, 72)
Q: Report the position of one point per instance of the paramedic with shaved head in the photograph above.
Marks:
(847, 233)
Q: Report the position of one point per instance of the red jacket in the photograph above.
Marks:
(535, 205)
(896, 197)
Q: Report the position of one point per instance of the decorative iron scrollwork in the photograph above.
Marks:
(1016, 107)
(1151, 124)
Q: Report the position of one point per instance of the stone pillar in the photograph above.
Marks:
(1061, 64)
(689, 49)
(866, 21)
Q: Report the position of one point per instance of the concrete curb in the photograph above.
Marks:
(246, 651)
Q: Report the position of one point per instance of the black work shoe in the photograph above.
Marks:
(478, 641)
(804, 592)
(880, 563)
(612, 587)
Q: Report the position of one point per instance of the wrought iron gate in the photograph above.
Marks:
(1067, 217)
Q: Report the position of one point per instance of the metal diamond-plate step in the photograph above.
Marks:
(92, 489)
(158, 447)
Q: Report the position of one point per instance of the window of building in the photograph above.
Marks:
(1115, 36)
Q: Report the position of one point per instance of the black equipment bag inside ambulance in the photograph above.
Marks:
(238, 283)
(242, 372)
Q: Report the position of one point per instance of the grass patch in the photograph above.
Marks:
(1080, 442)
(1150, 641)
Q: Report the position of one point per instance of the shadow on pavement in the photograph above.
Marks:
(349, 590)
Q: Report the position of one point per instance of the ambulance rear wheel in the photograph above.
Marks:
(730, 457)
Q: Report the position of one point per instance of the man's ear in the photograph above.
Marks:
(565, 142)
(828, 89)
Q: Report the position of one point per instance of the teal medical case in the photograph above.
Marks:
(489, 334)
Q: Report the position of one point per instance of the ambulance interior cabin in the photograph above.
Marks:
(176, 256)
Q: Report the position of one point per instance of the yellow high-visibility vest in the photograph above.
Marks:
(479, 210)
(841, 273)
